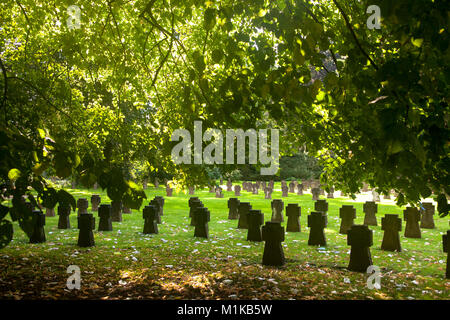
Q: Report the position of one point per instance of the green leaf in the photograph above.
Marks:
(14, 174)
(417, 42)
(209, 19)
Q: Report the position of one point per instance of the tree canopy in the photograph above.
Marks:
(93, 95)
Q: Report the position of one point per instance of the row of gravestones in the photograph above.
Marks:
(107, 213)
(359, 237)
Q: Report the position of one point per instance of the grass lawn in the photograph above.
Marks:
(125, 264)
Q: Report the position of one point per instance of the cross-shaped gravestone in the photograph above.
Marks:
(347, 214)
(360, 238)
(202, 217)
(412, 217)
(375, 196)
(370, 209)
(293, 212)
(86, 224)
(330, 195)
(82, 205)
(255, 219)
(64, 220)
(427, 221)
(233, 206)
(169, 191)
(255, 188)
(161, 204)
(284, 191)
(229, 185)
(126, 210)
(315, 194)
(268, 193)
(95, 202)
(273, 235)
(300, 189)
(292, 187)
(150, 215)
(391, 224)
(446, 246)
(194, 202)
(321, 205)
(38, 234)
(244, 209)
(237, 190)
(157, 206)
(317, 222)
(116, 211)
(277, 210)
(219, 193)
(49, 212)
(105, 213)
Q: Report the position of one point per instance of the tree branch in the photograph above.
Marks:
(349, 26)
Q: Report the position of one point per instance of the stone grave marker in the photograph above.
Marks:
(237, 190)
(126, 210)
(229, 185)
(193, 202)
(277, 210)
(292, 187)
(219, 193)
(233, 206)
(255, 219)
(82, 205)
(202, 217)
(391, 224)
(315, 193)
(86, 224)
(169, 191)
(268, 193)
(347, 214)
(161, 204)
(412, 217)
(360, 238)
(157, 206)
(64, 219)
(285, 191)
(370, 209)
(95, 202)
(293, 212)
(321, 205)
(244, 209)
(38, 221)
(317, 222)
(427, 221)
(191, 190)
(105, 214)
(273, 235)
(116, 211)
(211, 189)
(300, 189)
(375, 196)
(150, 215)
